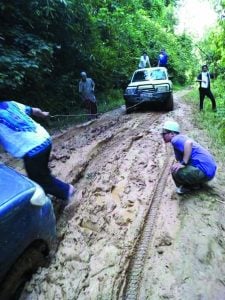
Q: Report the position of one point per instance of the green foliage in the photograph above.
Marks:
(213, 123)
(111, 100)
(44, 45)
(212, 47)
(213, 53)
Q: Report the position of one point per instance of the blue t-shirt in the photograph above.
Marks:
(163, 58)
(19, 133)
(200, 157)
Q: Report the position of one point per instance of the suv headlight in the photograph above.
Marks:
(39, 198)
(131, 91)
(163, 88)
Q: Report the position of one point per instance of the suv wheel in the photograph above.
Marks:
(169, 103)
(22, 270)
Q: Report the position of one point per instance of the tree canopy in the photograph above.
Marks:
(45, 45)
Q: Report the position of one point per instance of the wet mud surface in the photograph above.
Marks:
(116, 163)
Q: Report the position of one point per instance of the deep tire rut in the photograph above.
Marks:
(130, 289)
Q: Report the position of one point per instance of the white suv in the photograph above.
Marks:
(149, 88)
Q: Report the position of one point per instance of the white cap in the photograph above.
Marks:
(83, 74)
(171, 126)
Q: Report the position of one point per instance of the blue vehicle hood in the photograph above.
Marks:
(13, 184)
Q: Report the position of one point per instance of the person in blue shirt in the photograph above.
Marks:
(24, 138)
(194, 166)
(163, 59)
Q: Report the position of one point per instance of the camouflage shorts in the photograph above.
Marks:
(189, 176)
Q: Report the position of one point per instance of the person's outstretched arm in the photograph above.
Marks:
(37, 112)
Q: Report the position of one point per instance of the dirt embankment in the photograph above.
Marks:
(116, 164)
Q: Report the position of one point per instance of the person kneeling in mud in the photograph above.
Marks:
(194, 166)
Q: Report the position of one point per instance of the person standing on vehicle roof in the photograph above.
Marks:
(86, 91)
(24, 138)
(194, 166)
(204, 87)
(163, 59)
(144, 61)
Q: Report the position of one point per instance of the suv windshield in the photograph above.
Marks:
(156, 74)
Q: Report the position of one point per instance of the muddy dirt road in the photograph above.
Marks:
(120, 167)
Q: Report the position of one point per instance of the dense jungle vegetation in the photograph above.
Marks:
(212, 48)
(45, 45)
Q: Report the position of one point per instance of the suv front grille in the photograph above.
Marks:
(146, 88)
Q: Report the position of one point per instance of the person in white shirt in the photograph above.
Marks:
(144, 61)
(204, 87)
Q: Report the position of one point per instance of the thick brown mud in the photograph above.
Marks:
(116, 164)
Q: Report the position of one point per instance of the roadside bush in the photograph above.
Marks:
(213, 122)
